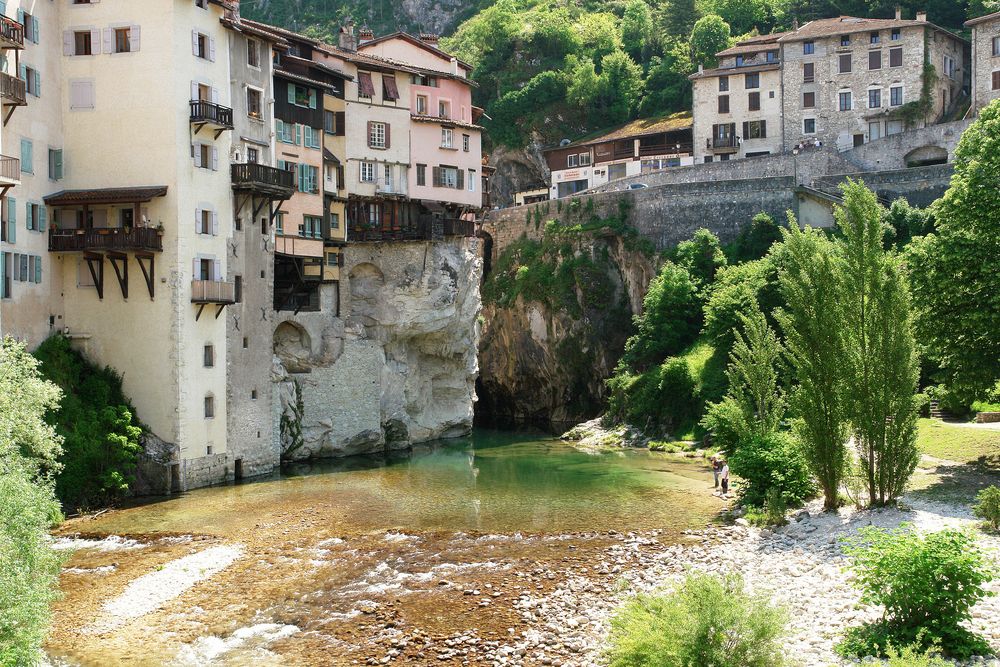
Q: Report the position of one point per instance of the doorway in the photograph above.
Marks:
(175, 478)
(238, 469)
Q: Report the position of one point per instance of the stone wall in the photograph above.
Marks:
(896, 151)
(921, 186)
(984, 63)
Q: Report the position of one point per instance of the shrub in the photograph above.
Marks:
(670, 320)
(987, 506)
(927, 584)
(773, 512)
(768, 463)
(948, 400)
(665, 395)
(707, 621)
(913, 656)
(922, 404)
(754, 240)
(701, 255)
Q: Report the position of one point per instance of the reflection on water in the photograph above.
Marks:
(491, 481)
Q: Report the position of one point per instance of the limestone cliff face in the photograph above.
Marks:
(545, 358)
(516, 170)
(398, 367)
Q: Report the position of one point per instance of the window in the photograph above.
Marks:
(308, 181)
(844, 101)
(365, 86)
(584, 159)
(81, 95)
(874, 60)
(32, 80)
(203, 220)
(845, 40)
(873, 38)
(331, 259)
(205, 156)
(572, 160)
(895, 35)
(83, 43)
(279, 227)
(447, 137)
(301, 96)
(310, 137)
(367, 172)
(376, 135)
(209, 356)
(285, 132)
(874, 98)
(996, 46)
(808, 72)
(723, 103)
(753, 102)
(444, 109)
(202, 46)
(123, 40)
(448, 177)
(996, 81)
(390, 92)
(253, 155)
(949, 67)
(808, 48)
(845, 63)
(755, 129)
(253, 53)
(466, 139)
(752, 80)
(27, 156)
(874, 131)
(334, 221)
(387, 176)
(30, 24)
(254, 107)
(893, 127)
(422, 105)
(330, 122)
(896, 57)
(772, 56)
(739, 61)
(809, 126)
(723, 84)
(895, 96)
(209, 410)
(809, 100)
(312, 227)
(471, 181)
(421, 174)
(33, 216)
(424, 80)
(55, 164)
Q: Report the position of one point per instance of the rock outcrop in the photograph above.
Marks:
(398, 367)
(516, 170)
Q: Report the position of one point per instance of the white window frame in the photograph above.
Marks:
(572, 160)
(584, 160)
(376, 137)
(366, 171)
(259, 91)
(447, 137)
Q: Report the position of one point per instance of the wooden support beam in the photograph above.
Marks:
(149, 274)
(218, 312)
(197, 316)
(121, 272)
(95, 264)
(10, 112)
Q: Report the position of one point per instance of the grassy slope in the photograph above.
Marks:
(958, 443)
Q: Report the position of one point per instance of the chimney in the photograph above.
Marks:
(899, 12)
(348, 41)
(454, 66)
(922, 16)
(429, 38)
(365, 34)
(795, 24)
(701, 68)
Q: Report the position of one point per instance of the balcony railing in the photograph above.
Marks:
(12, 90)
(213, 291)
(665, 149)
(78, 240)
(624, 151)
(421, 230)
(390, 188)
(212, 113)
(725, 142)
(298, 246)
(10, 169)
(11, 33)
(260, 177)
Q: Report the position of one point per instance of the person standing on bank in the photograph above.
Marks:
(716, 470)
(725, 478)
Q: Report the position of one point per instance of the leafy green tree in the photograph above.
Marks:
(29, 447)
(667, 88)
(637, 29)
(550, 35)
(598, 34)
(953, 273)
(709, 36)
(738, 290)
(620, 86)
(812, 324)
(584, 84)
(508, 126)
(743, 16)
(755, 240)
(701, 255)
(670, 319)
(678, 17)
(907, 222)
(880, 358)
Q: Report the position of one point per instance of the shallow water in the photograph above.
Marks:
(340, 556)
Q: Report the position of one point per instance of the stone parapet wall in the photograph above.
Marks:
(920, 186)
(892, 152)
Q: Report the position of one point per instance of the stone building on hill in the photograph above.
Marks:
(985, 59)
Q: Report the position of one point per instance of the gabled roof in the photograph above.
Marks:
(735, 71)
(845, 25)
(995, 16)
(416, 41)
(753, 45)
(256, 29)
(105, 196)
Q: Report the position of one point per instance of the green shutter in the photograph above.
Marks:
(312, 99)
(38, 83)
(42, 215)
(38, 269)
(11, 219)
(302, 179)
(26, 157)
(279, 129)
(27, 215)
(298, 134)
(291, 93)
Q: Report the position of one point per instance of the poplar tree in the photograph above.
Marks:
(880, 359)
(812, 323)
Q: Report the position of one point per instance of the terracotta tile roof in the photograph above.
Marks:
(995, 16)
(844, 25)
(301, 79)
(424, 118)
(754, 44)
(416, 41)
(105, 196)
(279, 31)
(258, 29)
(671, 123)
(735, 71)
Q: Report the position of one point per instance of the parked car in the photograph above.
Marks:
(636, 186)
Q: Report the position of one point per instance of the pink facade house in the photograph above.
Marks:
(446, 164)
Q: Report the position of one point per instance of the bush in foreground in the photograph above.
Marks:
(928, 585)
(772, 463)
(911, 656)
(987, 506)
(706, 621)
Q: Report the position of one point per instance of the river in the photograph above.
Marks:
(383, 559)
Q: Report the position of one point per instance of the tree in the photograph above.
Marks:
(709, 36)
(953, 273)
(907, 222)
(701, 255)
(667, 88)
(670, 319)
(637, 29)
(880, 358)
(812, 324)
(678, 17)
(29, 447)
(743, 16)
(598, 34)
(755, 240)
(621, 86)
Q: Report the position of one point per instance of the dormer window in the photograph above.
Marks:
(739, 61)
(845, 40)
(874, 38)
(808, 48)
(772, 56)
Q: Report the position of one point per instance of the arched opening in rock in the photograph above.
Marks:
(293, 346)
(925, 156)
(487, 253)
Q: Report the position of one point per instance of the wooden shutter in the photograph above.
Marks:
(312, 99)
(11, 220)
(217, 270)
(38, 83)
(42, 218)
(996, 80)
(370, 124)
(196, 151)
(340, 177)
(215, 158)
(339, 123)
(459, 179)
(763, 129)
(134, 38)
(436, 176)
(389, 89)
(746, 129)
(211, 49)
(194, 91)
(291, 93)
(194, 42)
(298, 134)
(215, 95)
(215, 223)
(35, 31)
(68, 43)
(365, 86)
(109, 44)
(195, 269)
(197, 221)
(28, 218)
(874, 60)
(387, 135)
(38, 269)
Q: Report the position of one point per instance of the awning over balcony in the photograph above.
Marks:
(105, 196)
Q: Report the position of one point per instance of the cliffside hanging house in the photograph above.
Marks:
(638, 147)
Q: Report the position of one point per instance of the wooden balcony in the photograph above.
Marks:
(456, 227)
(210, 114)
(264, 180)
(298, 246)
(665, 149)
(213, 291)
(10, 170)
(11, 33)
(728, 144)
(12, 91)
(142, 239)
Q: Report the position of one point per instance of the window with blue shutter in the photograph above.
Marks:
(27, 160)
(38, 269)
(312, 99)
(298, 134)
(42, 218)
(11, 220)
